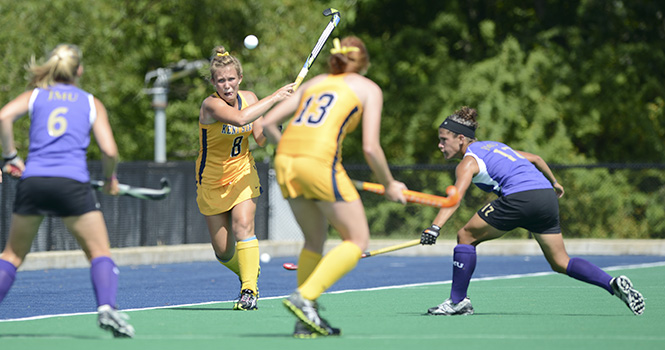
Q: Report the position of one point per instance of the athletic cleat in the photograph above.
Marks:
(303, 332)
(447, 308)
(306, 311)
(247, 300)
(111, 320)
(257, 279)
(623, 289)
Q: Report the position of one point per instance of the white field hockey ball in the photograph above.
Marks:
(251, 41)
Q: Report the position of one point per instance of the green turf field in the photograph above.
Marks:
(537, 312)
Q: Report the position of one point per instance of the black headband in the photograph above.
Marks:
(458, 128)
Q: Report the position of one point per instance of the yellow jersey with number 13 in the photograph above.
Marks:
(327, 112)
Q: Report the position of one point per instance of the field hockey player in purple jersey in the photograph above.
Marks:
(528, 198)
(55, 179)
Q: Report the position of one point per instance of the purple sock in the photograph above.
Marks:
(7, 275)
(464, 262)
(104, 276)
(585, 271)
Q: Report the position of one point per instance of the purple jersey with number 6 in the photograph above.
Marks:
(60, 121)
(504, 171)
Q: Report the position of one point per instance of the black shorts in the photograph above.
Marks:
(535, 210)
(57, 196)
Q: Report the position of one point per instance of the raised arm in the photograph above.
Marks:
(283, 111)
(215, 109)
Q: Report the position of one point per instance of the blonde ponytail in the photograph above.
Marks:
(60, 67)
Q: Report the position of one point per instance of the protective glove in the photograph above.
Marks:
(13, 165)
(429, 235)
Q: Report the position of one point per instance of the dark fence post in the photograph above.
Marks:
(262, 207)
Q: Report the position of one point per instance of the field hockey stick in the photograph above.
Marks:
(415, 196)
(392, 248)
(139, 192)
(319, 44)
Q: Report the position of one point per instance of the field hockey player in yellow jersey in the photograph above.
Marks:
(226, 178)
(309, 171)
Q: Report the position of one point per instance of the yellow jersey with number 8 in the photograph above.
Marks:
(224, 152)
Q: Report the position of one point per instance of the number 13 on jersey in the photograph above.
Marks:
(315, 109)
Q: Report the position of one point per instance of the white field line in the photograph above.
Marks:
(512, 276)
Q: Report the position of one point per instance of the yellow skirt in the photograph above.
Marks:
(219, 199)
(314, 179)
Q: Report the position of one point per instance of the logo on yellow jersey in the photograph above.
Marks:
(232, 130)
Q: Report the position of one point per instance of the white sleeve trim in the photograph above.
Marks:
(93, 109)
(31, 102)
(483, 177)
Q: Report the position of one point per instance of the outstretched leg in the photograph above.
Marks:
(583, 270)
(555, 252)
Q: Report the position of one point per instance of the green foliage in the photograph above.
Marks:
(607, 203)
(123, 40)
(576, 82)
(538, 75)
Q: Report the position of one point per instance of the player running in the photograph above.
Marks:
(310, 173)
(55, 181)
(227, 184)
(524, 183)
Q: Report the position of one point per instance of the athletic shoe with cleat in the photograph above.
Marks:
(113, 321)
(306, 311)
(247, 300)
(447, 308)
(302, 331)
(623, 289)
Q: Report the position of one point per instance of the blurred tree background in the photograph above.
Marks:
(578, 82)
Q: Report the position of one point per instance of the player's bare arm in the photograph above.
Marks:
(545, 169)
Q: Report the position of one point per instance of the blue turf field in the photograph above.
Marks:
(48, 292)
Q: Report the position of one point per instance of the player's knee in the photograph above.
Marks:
(224, 256)
(362, 243)
(464, 236)
(558, 266)
(243, 230)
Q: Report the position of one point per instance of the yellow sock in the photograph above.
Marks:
(231, 264)
(334, 265)
(306, 264)
(248, 263)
